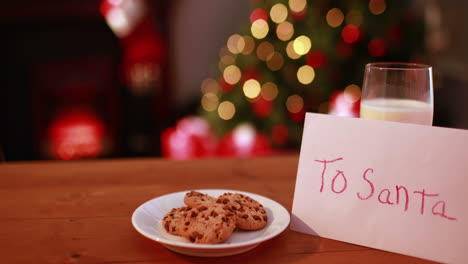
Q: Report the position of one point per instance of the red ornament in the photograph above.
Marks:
(192, 137)
(280, 134)
(316, 58)
(244, 141)
(377, 47)
(262, 108)
(344, 50)
(258, 13)
(350, 33)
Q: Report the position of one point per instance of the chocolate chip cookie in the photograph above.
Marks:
(250, 214)
(194, 198)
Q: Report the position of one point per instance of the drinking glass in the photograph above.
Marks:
(400, 92)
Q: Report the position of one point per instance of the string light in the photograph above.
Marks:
(249, 45)
(377, 7)
(305, 74)
(251, 88)
(279, 13)
(226, 110)
(335, 17)
(294, 103)
(232, 74)
(297, 6)
(259, 29)
(291, 52)
(209, 86)
(275, 61)
(269, 91)
(302, 45)
(285, 31)
(209, 102)
(265, 50)
(236, 44)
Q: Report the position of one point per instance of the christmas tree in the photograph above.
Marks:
(295, 55)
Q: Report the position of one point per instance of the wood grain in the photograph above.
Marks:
(79, 212)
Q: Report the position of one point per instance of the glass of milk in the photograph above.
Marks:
(400, 92)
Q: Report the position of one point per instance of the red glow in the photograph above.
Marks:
(350, 33)
(262, 108)
(280, 134)
(377, 47)
(297, 117)
(315, 58)
(76, 134)
(225, 87)
(344, 50)
(258, 14)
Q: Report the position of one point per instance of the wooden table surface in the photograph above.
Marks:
(79, 212)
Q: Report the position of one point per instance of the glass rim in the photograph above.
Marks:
(398, 66)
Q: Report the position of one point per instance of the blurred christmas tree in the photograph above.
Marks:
(295, 56)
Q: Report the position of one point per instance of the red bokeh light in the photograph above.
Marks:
(258, 13)
(316, 58)
(280, 134)
(262, 108)
(377, 47)
(350, 33)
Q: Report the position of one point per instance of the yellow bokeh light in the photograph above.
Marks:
(269, 91)
(265, 50)
(235, 44)
(209, 86)
(259, 28)
(294, 103)
(352, 93)
(302, 45)
(251, 88)
(232, 74)
(290, 51)
(209, 102)
(297, 6)
(377, 7)
(275, 61)
(226, 110)
(285, 31)
(305, 74)
(354, 17)
(249, 45)
(279, 13)
(335, 17)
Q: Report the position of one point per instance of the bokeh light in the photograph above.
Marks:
(354, 17)
(305, 74)
(297, 6)
(226, 110)
(251, 88)
(290, 51)
(265, 50)
(377, 7)
(209, 102)
(209, 85)
(335, 17)
(285, 31)
(350, 33)
(275, 61)
(257, 14)
(236, 44)
(377, 47)
(269, 91)
(302, 45)
(249, 45)
(294, 103)
(352, 93)
(232, 74)
(259, 29)
(279, 13)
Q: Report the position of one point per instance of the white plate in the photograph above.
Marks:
(148, 217)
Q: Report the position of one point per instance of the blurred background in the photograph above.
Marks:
(191, 79)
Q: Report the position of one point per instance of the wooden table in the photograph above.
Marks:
(79, 212)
